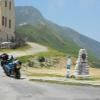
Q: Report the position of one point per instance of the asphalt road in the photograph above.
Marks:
(11, 89)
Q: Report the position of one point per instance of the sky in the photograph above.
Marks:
(81, 15)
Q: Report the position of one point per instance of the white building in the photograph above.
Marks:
(7, 20)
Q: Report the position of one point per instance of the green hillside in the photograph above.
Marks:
(46, 36)
(34, 27)
(52, 40)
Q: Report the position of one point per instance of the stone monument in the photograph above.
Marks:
(82, 67)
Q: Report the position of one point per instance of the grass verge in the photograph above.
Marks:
(50, 53)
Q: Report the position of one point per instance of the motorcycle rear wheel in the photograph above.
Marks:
(17, 75)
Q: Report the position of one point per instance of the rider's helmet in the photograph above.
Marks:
(5, 56)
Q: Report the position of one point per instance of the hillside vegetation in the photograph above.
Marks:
(46, 36)
(32, 26)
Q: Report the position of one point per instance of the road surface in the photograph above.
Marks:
(11, 89)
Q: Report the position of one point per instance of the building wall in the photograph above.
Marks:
(7, 30)
(0, 18)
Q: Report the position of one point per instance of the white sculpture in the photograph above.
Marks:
(82, 68)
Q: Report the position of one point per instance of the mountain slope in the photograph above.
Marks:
(49, 37)
(32, 26)
(28, 15)
(83, 41)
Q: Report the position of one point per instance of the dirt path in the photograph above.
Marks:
(35, 48)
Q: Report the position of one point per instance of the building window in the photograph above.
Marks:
(9, 23)
(5, 3)
(3, 20)
(10, 5)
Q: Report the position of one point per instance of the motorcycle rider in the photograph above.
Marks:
(4, 58)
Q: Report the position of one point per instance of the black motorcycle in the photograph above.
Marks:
(11, 69)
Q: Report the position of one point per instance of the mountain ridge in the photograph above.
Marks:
(38, 29)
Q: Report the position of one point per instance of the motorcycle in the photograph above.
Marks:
(11, 69)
